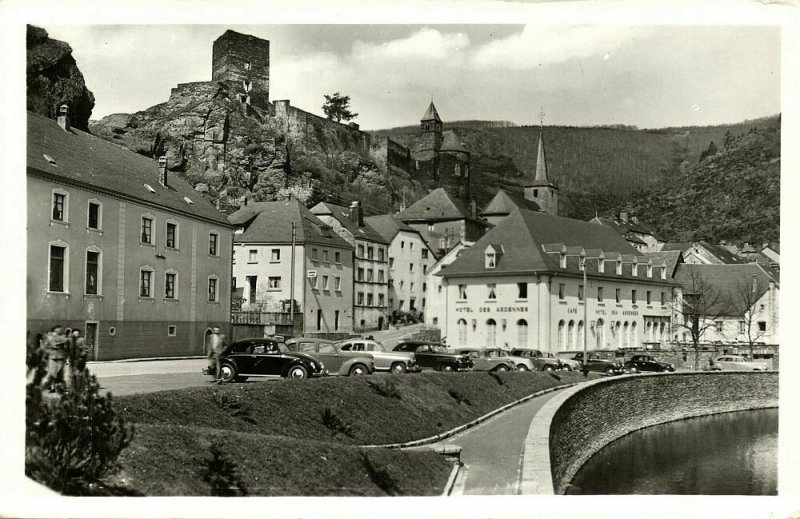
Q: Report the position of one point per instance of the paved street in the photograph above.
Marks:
(492, 451)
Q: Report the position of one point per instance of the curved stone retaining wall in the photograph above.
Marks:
(595, 414)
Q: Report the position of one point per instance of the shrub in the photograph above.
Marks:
(336, 425)
(234, 407)
(222, 474)
(461, 399)
(497, 377)
(385, 388)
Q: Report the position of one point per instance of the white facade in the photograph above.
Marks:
(410, 260)
(435, 294)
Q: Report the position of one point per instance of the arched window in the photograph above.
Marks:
(491, 333)
(522, 333)
(649, 331)
(562, 335)
(571, 335)
(94, 272)
(618, 334)
(626, 335)
(58, 267)
(600, 333)
(634, 335)
(663, 337)
(580, 335)
(462, 332)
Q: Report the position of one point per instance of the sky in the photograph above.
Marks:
(647, 76)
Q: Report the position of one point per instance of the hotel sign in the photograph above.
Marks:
(489, 309)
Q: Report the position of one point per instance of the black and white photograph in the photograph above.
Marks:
(338, 264)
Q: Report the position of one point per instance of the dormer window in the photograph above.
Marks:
(491, 260)
(619, 267)
(649, 271)
(663, 272)
(562, 260)
(635, 268)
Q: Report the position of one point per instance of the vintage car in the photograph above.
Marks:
(394, 361)
(600, 365)
(570, 364)
(640, 363)
(522, 363)
(432, 355)
(737, 363)
(348, 363)
(263, 358)
(542, 361)
(487, 360)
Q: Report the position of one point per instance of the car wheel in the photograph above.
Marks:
(548, 368)
(398, 367)
(297, 372)
(358, 369)
(634, 369)
(501, 367)
(228, 373)
(446, 367)
(522, 367)
(567, 367)
(609, 371)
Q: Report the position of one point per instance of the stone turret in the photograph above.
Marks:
(242, 61)
(541, 190)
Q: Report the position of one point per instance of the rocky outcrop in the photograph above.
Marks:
(53, 78)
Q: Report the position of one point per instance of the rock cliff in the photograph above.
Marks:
(53, 78)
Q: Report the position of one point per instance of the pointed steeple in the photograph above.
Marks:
(431, 114)
(541, 163)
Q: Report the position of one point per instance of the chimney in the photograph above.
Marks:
(357, 213)
(162, 170)
(623, 217)
(63, 117)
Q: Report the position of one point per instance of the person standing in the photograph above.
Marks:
(216, 347)
(55, 345)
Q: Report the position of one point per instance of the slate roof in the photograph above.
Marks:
(527, 235)
(718, 251)
(271, 222)
(619, 229)
(388, 226)
(451, 142)
(671, 257)
(431, 114)
(343, 216)
(90, 162)
(437, 205)
(726, 280)
(504, 203)
(681, 246)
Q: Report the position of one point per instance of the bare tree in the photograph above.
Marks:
(700, 306)
(744, 306)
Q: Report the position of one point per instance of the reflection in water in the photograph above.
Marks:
(725, 454)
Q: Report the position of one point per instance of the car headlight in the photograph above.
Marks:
(321, 366)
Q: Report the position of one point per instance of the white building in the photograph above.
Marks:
(435, 288)
(522, 285)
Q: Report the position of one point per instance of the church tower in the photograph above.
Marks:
(431, 126)
(541, 190)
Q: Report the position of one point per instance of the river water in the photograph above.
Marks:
(724, 454)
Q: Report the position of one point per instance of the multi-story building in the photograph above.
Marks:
(434, 294)
(316, 272)
(410, 260)
(370, 265)
(522, 284)
(704, 253)
(120, 248)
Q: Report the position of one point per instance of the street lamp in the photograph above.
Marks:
(585, 311)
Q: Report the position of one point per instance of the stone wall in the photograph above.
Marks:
(600, 413)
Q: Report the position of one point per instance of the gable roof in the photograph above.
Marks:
(271, 222)
(93, 163)
(726, 280)
(720, 252)
(451, 142)
(343, 215)
(671, 257)
(533, 241)
(388, 226)
(503, 203)
(436, 205)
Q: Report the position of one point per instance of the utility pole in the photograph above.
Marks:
(291, 281)
(585, 312)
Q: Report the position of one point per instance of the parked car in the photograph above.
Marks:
(433, 355)
(738, 363)
(600, 365)
(647, 363)
(394, 361)
(542, 361)
(570, 364)
(522, 363)
(266, 357)
(348, 363)
(487, 360)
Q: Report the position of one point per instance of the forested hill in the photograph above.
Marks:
(732, 195)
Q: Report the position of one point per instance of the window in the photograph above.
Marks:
(325, 283)
(369, 275)
(618, 295)
(391, 262)
(561, 295)
(313, 282)
(381, 300)
(59, 212)
(462, 292)
(360, 274)
(401, 284)
(252, 283)
(172, 330)
(172, 235)
(718, 326)
(411, 245)
(663, 298)
(325, 255)
(562, 260)
(439, 289)
(742, 327)
(490, 260)
(649, 271)
(274, 283)
(601, 265)
(370, 252)
(522, 291)
(213, 242)
(360, 250)
(424, 286)
(649, 297)
(522, 333)
(401, 305)
(369, 299)
(424, 253)
(93, 220)
(411, 267)
(253, 256)
(314, 254)
(337, 256)
(169, 285)
(424, 270)
(411, 287)
(360, 299)
(402, 244)
(491, 333)
(580, 292)
(337, 283)
(391, 283)
(462, 332)
(336, 319)
(380, 276)
(147, 229)
(276, 256)
(635, 269)
(92, 272)
(145, 283)
(212, 289)
(663, 272)
(599, 294)
(380, 254)
(619, 267)
(58, 268)
(535, 193)
(633, 297)
(762, 326)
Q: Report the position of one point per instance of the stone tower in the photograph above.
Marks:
(242, 61)
(541, 190)
(431, 126)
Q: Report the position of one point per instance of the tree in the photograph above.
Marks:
(337, 107)
(710, 151)
(728, 140)
(699, 308)
(744, 306)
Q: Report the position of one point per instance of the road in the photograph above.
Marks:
(492, 451)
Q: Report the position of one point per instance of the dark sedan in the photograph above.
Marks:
(647, 363)
(265, 358)
(433, 355)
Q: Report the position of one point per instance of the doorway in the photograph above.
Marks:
(206, 337)
(92, 343)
